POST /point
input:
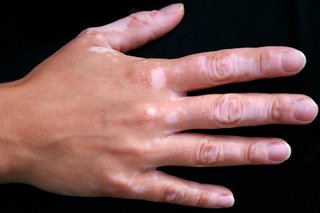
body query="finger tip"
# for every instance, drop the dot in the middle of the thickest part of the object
(289, 151)
(302, 57)
(172, 9)
(293, 61)
(226, 201)
(305, 110)
(279, 152)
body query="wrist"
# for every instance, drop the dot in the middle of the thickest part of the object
(9, 143)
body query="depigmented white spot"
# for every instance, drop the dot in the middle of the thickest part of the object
(183, 111)
(157, 140)
(175, 96)
(172, 117)
(118, 26)
(203, 63)
(93, 185)
(170, 197)
(138, 189)
(102, 50)
(158, 78)
(115, 60)
(177, 70)
(102, 40)
(151, 111)
(100, 37)
(169, 132)
(153, 176)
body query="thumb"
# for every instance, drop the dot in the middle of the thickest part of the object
(140, 28)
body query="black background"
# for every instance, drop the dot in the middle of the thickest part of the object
(29, 34)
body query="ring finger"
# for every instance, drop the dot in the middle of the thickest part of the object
(187, 149)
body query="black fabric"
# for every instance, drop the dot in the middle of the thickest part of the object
(31, 35)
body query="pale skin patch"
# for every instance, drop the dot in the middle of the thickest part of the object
(172, 117)
(169, 132)
(101, 39)
(102, 50)
(118, 26)
(151, 111)
(175, 96)
(203, 63)
(157, 140)
(138, 189)
(177, 70)
(158, 78)
(93, 185)
(115, 60)
(150, 143)
(153, 177)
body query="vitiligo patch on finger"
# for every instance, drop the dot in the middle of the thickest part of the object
(138, 189)
(169, 132)
(151, 111)
(175, 96)
(118, 26)
(203, 63)
(102, 50)
(158, 78)
(172, 117)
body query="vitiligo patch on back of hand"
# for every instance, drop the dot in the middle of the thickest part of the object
(158, 78)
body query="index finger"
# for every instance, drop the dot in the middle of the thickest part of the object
(211, 69)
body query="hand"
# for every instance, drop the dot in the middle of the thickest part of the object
(92, 121)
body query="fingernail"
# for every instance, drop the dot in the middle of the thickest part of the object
(305, 109)
(225, 201)
(173, 8)
(279, 151)
(293, 60)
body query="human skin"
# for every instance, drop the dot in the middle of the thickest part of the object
(92, 121)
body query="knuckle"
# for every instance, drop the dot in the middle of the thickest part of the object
(145, 116)
(202, 200)
(139, 152)
(220, 67)
(92, 37)
(278, 110)
(87, 32)
(145, 17)
(96, 36)
(110, 184)
(263, 62)
(228, 110)
(175, 195)
(251, 153)
(208, 153)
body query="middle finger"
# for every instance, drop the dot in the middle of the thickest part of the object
(236, 110)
